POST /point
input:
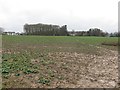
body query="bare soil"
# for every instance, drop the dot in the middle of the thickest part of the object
(71, 70)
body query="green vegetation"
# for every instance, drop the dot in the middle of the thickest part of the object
(31, 55)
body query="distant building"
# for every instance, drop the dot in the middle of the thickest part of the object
(45, 29)
(9, 33)
(77, 33)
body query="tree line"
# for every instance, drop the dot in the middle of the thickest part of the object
(90, 32)
(45, 30)
(94, 32)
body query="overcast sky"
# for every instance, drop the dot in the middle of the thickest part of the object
(76, 14)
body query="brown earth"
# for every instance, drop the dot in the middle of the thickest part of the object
(73, 70)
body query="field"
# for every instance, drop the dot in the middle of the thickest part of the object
(58, 61)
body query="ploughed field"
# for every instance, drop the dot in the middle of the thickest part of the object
(59, 62)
